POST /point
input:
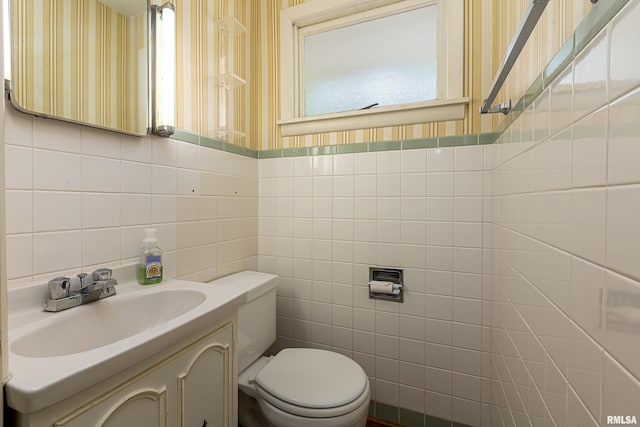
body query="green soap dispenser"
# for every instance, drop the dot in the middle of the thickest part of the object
(149, 267)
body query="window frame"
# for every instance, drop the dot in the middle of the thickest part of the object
(450, 104)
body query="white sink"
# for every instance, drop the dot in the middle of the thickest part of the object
(105, 322)
(55, 355)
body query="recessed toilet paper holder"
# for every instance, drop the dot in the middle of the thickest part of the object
(386, 284)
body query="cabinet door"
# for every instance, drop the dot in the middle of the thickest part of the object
(205, 388)
(145, 408)
(140, 407)
(192, 387)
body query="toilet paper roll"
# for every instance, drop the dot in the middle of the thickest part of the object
(380, 287)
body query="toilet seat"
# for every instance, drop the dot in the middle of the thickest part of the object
(339, 384)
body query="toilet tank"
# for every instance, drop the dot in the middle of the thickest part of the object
(257, 317)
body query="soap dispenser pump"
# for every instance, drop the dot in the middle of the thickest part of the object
(149, 267)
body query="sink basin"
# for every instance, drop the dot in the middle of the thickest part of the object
(53, 356)
(106, 322)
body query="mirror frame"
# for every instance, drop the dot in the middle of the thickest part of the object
(9, 86)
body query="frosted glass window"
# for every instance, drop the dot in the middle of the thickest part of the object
(388, 61)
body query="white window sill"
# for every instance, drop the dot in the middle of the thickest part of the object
(376, 117)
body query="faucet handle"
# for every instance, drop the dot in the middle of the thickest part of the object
(82, 276)
(59, 287)
(101, 274)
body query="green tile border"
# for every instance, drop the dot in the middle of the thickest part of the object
(457, 140)
(410, 418)
(534, 91)
(251, 153)
(216, 144)
(322, 150)
(504, 125)
(295, 152)
(361, 147)
(412, 144)
(269, 154)
(243, 151)
(385, 146)
(358, 147)
(436, 422)
(212, 143)
(386, 412)
(184, 136)
(558, 63)
(488, 138)
(406, 417)
(235, 149)
(518, 107)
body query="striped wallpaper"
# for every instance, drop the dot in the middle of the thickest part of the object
(72, 64)
(491, 25)
(558, 22)
(265, 129)
(204, 54)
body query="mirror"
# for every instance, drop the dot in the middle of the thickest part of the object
(82, 61)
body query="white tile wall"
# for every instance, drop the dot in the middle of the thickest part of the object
(78, 198)
(590, 77)
(622, 140)
(564, 291)
(624, 64)
(325, 220)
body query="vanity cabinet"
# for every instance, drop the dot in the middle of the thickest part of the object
(191, 385)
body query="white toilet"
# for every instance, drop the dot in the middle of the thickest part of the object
(298, 386)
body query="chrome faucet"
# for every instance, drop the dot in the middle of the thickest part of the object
(61, 297)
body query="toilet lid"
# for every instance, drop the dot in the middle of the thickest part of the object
(313, 378)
